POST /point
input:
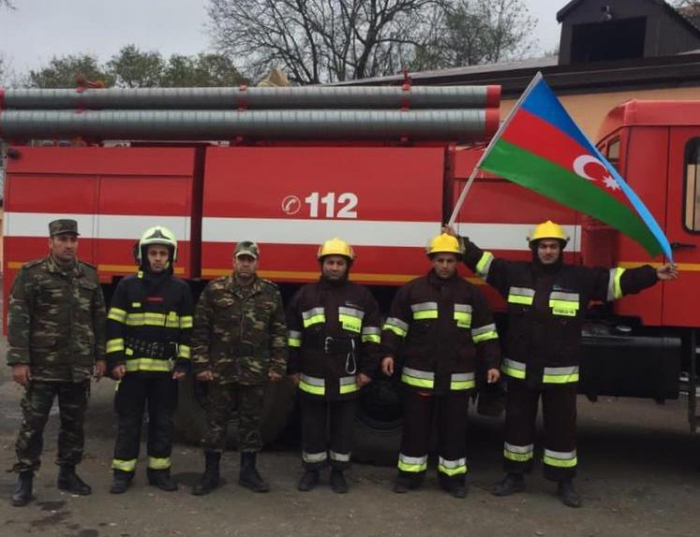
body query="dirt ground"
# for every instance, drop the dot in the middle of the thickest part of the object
(638, 477)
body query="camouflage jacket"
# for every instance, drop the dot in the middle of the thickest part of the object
(240, 333)
(56, 321)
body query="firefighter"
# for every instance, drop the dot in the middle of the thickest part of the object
(334, 335)
(547, 302)
(148, 351)
(441, 331)
(56, 342)
(240, 341)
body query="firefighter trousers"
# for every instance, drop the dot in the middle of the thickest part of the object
(450, 411)
(326, 432)
(559, 416)
(134, 392)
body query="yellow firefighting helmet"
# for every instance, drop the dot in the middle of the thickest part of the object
(157, 235)
(444, 244)
(336, 246)
(548, 230)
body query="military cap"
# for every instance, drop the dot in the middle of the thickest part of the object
(247, 248)
(63, 225)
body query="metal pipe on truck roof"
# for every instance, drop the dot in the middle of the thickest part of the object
(452, 125)
(320, 97)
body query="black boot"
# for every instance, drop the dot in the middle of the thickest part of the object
(69, 481)
(567, 493)
(23, 493)
(161, 479)
(120, 482)
(510, 484)
(308, 481)
(405, 482)
(455, 487)
(338, 483)
(249, 476)
(210, 478)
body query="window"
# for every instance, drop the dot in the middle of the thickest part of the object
(620, 39)
(613, 155)
(692, 185)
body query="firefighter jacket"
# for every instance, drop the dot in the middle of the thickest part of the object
(546, 309)
(56, 320)
(240, 333)
(443, 333)
(149, 324)
(334, 334)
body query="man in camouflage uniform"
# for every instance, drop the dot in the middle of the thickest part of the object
(240, 341)
(56, 342)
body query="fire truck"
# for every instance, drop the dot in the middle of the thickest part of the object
(380, 167)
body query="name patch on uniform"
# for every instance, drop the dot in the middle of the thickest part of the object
(564, 312)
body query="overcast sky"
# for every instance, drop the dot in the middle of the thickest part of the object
(41, 29)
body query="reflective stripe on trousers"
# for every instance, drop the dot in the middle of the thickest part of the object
(518, 453)
(560, 459)
(452, 467)
(314, 457)
(413, 464)
(159, 463)
(124, 466)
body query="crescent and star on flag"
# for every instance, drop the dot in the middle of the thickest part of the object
(588, 161)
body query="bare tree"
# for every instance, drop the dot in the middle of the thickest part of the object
(470, 32)
(678, 4)
(335, 40)
(320, 40)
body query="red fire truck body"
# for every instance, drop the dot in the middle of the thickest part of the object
(387, 200)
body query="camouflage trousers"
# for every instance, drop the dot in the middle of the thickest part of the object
(36, 405)
(222, 400)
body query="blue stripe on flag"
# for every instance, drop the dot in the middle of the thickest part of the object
(544, 103)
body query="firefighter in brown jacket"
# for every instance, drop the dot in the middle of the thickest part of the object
(547, 302)
(442, 332)
(334, 334)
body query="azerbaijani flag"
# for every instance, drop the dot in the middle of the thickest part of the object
(541, 148)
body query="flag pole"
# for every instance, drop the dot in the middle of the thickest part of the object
(494, 139)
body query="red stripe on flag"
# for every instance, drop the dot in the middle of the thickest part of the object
(539, 137)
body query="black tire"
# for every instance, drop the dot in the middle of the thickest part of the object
(378, 424)
(190, 420)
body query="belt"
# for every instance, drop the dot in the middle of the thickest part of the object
(333, 345)
(152, 349)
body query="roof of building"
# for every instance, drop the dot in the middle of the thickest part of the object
(514, 76)
(563, 12)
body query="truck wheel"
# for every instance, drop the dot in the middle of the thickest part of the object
(190, 419)
(378, 424)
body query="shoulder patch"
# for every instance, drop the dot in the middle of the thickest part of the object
(87, 265)
(33, 263)
(269, 282)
